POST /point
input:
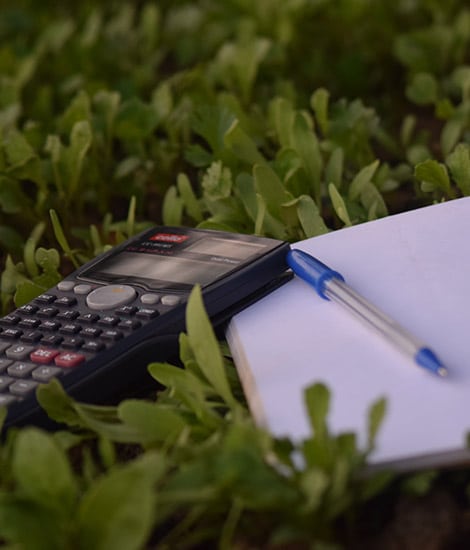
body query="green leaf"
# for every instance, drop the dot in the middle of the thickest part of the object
(29, 525)
(423, 89)
(419, 483)
(245, 186)
(407, 128)
(48, 260)
(189, 198)
(135, 120)
(282, 114)
(376, 417)
(73, 159)
(459, 166)
(317, 399)
(10, 239)
(55, 148)
(205, 347)
(17, 150)
(309, 216)
(334, 168)
(451, 133)
(61, 238)
(12, 198)
(117, 512)
(42, 470)
(57, 403)
(212, 123)
(27, 291)
(305, 142)
(172, 208)
(362, 179)
(79, 110)
(152, 422)
(238, 141)
(319, 102)
(434, 176)
(30, 247)
(314, 483)
(417, 153)
(12, 276)
(339, 205)
(217, 182)
(271, 189)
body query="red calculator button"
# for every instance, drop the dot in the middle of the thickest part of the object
(69, 359)
(43, 356)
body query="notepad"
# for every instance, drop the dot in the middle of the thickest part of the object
(415, 267)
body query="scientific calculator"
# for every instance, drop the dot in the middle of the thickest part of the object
(98, 329)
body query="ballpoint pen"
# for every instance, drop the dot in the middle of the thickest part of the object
(330, 285)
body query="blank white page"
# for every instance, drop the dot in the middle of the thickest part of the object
(415, 267)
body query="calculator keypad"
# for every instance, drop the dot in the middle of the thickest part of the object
(57, 332)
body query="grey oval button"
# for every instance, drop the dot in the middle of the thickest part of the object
(170, 300)
(150, 299)
(82, 289)
(111, 296)
(66, 285)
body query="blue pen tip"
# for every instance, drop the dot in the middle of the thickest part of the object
(426, 358)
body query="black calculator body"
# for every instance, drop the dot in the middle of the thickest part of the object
(100, 327)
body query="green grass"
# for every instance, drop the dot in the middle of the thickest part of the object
(286, 118)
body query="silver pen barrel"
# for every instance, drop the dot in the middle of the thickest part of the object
(338, 291)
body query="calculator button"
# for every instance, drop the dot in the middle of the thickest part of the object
(50, 325)
(88, 318)
(4, 363)
(52, 339)
(9, 320)
(46, 298)
(150, 299)
(82, 289)
(91, 332)
(147, 313)
(45, 373)
(21, 369)
(66, 285)
(11, 333)
(73, 342)
(4, 346)
(70, 328)
(31, 336)
(69, 359)
(43, 356)
(93, 346)
(6, 400)
(111, 334)
(22, 387)
(110, 297)
(109, 321)
(129, 324)
(126, 310)
(170, 300)
(29, 309)
(19, 351)
(29, 322)
(66, 301)
(5, 381)
(68, 315)
(47, 312)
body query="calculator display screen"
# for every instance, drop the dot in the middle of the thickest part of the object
(156, 262)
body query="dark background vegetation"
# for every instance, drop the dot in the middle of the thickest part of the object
(286, 118)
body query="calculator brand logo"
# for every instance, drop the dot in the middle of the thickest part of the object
(169, 237)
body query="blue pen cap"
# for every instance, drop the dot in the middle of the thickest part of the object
(311, 270)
